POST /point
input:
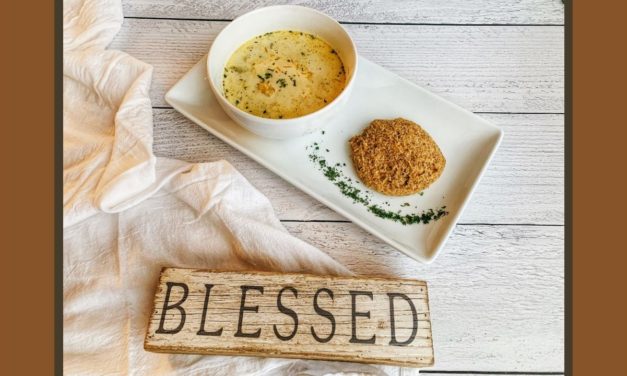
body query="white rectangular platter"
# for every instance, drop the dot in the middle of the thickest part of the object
(466, 140)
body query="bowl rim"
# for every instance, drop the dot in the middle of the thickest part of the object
(270, 121)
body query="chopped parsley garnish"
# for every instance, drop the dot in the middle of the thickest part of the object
(334, 173)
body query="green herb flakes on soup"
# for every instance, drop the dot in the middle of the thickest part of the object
(283, 74)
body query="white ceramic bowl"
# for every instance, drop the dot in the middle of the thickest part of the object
(274, 18)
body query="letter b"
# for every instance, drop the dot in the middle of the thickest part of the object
(177, 306)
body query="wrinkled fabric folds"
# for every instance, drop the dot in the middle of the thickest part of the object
(128, 213)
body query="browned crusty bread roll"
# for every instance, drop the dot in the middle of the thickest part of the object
(396, 157)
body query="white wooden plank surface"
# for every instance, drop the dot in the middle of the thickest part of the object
(481, 68)
(495, 292)
(523, 184)
(386, 11)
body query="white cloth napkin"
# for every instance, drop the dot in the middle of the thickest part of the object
(128, 213)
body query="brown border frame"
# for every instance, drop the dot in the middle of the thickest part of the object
(596, 106)
(594, 244)
(30, 156)
(568, 186)
(58, 187)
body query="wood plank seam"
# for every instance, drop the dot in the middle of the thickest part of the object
(355, 22)
(474, 112)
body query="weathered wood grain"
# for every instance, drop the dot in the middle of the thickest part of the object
(524, 183)
(357, 319)
(481, 68)
(495, 293)
(414, 11)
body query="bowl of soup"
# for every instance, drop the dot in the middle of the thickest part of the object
(282, 71)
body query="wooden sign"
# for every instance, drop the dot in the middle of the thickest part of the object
(369, 320)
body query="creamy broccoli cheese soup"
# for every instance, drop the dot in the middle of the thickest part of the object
(283, 74)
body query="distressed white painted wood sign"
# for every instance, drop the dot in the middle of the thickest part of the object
(370, 320)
